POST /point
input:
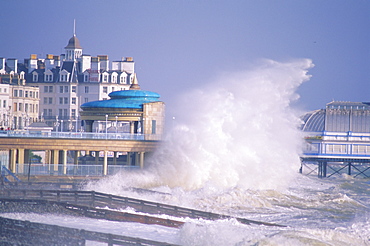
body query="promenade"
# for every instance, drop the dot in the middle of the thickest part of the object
(59, 145)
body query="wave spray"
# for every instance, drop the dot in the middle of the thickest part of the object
(238, 131)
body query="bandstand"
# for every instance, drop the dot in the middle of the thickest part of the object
(130, 127)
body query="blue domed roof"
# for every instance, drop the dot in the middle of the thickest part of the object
(133, 99)
(133, 94)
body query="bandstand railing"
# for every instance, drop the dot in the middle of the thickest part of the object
(80, 135)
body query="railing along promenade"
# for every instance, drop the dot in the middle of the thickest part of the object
(18, 232)
(96, 199)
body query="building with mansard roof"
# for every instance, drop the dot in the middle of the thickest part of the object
(69, 80)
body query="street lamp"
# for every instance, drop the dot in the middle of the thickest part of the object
(56, 124)
(116, 124)
(76, 122)
(106, 125)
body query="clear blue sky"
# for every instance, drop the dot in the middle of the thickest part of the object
(179, 44)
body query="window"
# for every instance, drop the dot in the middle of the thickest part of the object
(105, 89)
(112, 88)
(65, 112)
(64, 77)
(37, 94)
(86, 89)
(105, 78)
(60, 112)
(73, 113)
(45, 112)
(50, 112)
(66, 89)
(15, 93)
(74, 88)
(154, 126)
(50, 88)
(66, 100)
(61, 89)
(86, 78)
(46, 89)
(35, 77)
(26, 93)
(4, 104)
(50, 100)
(20, 93)
(74, 100)
(48, 77)
(45, 100)
(60, 100)
(20, 106)
(31, 94)
(86, 99)
(26, 107)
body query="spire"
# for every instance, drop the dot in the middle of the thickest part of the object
(135, 85)
(74, 27)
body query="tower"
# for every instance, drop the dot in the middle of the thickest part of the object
(73, 49)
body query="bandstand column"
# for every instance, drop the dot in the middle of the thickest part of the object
(77, 154)
(20, 160)
(115, 158)
(141, 161)
(12, 160)
(97, 157)
(105, 164)
(132, 127)
(128, 159)
(64, 162)
(55, 160)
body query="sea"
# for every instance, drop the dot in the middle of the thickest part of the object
(233, 148)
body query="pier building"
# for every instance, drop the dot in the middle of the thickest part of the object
(337, 140)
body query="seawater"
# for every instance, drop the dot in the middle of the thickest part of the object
(234, 149)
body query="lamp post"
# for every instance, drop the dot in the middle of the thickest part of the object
(76, 122)
(56, 124)
(106, 126)
(116, 124)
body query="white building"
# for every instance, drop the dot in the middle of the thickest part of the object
(74, 78)
(19, 103)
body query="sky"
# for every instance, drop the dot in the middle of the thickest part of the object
(178, 45)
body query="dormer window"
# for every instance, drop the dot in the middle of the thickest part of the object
(114, 77)
(105, 77)
(35, 77)
(123, 79)
(64, 76)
